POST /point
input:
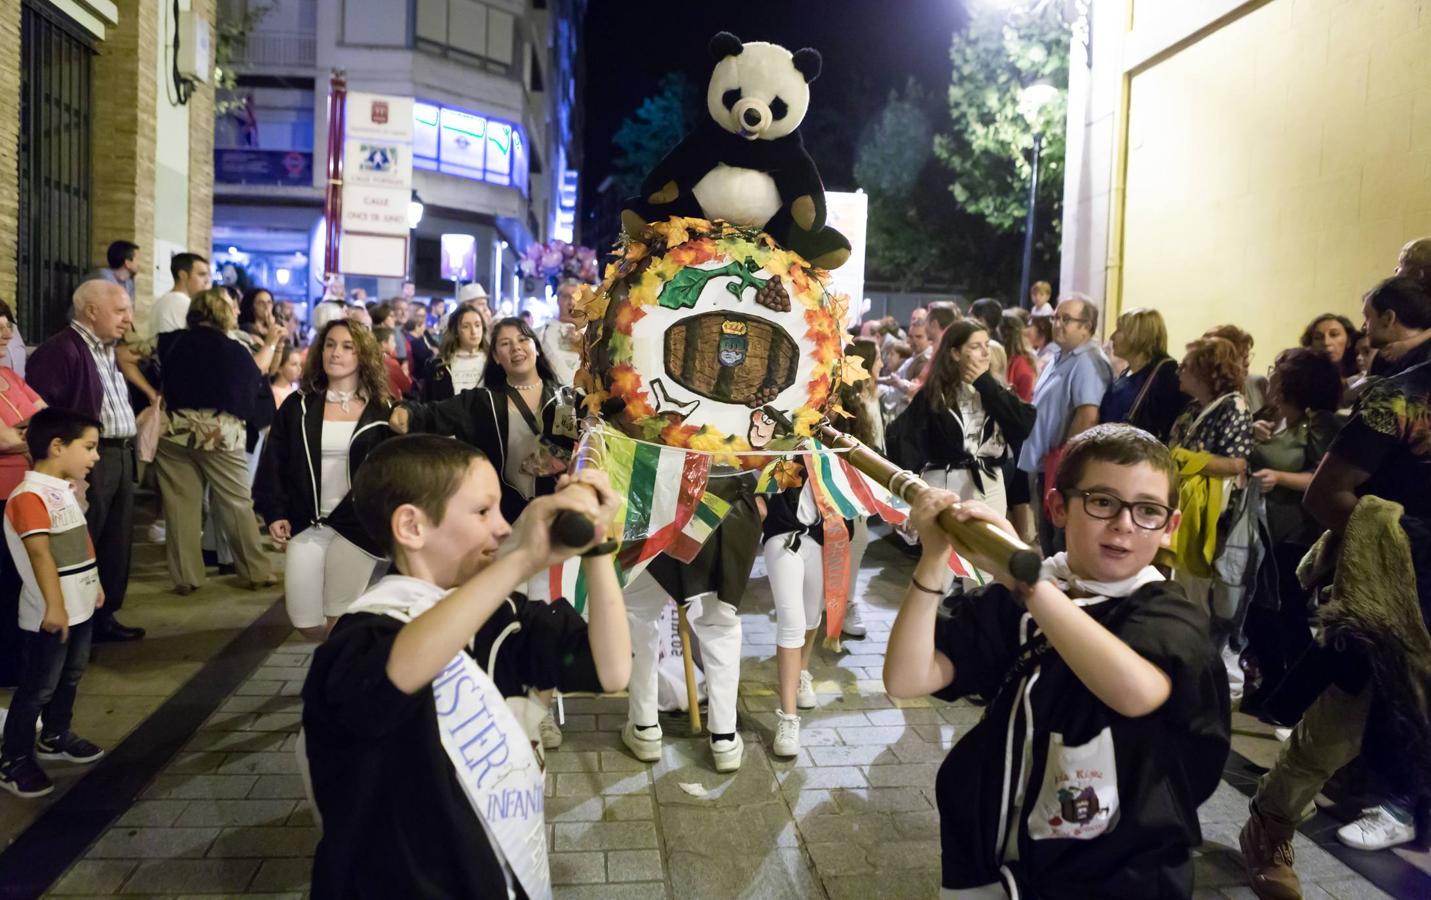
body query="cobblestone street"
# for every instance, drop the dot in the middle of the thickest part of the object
(852, 816)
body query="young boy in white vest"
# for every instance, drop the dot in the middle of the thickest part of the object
(427, 781)
(1107, 706)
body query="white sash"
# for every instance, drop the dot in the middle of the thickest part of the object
(489, 750)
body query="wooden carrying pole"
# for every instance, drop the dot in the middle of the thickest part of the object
(980, 539)
(683, 625)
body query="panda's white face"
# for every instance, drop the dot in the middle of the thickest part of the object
(758, 93)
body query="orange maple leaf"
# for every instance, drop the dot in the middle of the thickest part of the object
(627, 317)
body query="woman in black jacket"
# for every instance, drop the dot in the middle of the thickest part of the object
(322, 433)
(1147, 395)
(957, 428)
(512, 419)
(212, 390)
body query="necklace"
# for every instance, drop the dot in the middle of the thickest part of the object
(528, 387)
(342, 398)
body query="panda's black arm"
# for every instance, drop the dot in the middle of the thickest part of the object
(687, 162)
(797, 177)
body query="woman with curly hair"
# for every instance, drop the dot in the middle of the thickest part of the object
(321, 434)
(460, 360)
(1334, 336)
(212, 389)
(1218, 420)
(1254, 385)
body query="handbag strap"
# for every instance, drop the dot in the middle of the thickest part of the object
(1147, 385)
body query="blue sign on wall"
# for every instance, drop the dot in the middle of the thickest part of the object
(289, 168)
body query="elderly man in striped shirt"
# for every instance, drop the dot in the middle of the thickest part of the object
(77, 369)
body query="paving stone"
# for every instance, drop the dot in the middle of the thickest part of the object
(579, 868)
(737, 831)
(191, 876)
(278, 787)
(903, 716)
(814, 802)
(896, 799)
(253, 687)
(902, 775)
(866, 754)
(94, 876)
(153, 843)
(575, 809)
(918, 751)
(919, 884)
(199, 787)
(881, 736)
(280, 673)
(152, 813)
(260, 764)
(633, 807)
(634, 865)
(582, 784)
(250, 703)
(864, 829)
(917, 823)
(236, 813)
(840, 858)
(605, 835)
(776, 873)
(653, 890)
(904, 856)
(283, 875)
(564, 760)
(621, 761)
(823, 777)
(265, 842)
(239, 741)
(578, 723)
(196, 763)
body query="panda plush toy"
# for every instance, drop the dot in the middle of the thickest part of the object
(746, 163)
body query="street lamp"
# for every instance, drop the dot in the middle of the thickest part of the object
(415, 209)
(1032, 99)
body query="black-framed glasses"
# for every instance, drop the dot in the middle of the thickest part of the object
(1066, 319)
(1146, 514)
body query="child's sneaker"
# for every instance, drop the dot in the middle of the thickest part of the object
(854, 620)
(24, 778)
(787, 734)
(728, 753)
(805, 694)
(550, 731)
(67, 747)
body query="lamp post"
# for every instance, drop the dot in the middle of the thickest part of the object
(1032, 100)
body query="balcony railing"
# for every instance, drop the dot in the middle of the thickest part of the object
(278, 48)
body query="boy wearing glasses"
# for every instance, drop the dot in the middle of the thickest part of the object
(1108, 715)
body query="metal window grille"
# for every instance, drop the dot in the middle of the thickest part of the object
(54, 183)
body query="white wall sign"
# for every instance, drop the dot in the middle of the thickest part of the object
(377, 185)
(848, 213)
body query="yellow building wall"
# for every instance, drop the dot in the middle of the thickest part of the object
(1275, 164)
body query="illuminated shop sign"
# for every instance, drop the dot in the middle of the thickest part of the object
(462, 143)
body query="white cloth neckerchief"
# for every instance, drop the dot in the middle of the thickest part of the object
(342, 398)
(488, 748)
(1055, 569)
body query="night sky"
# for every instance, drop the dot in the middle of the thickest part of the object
(630, 44)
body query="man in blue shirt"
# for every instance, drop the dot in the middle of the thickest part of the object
(1066, 398)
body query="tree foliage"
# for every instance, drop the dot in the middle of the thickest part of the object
(652, 130)
(988, 146)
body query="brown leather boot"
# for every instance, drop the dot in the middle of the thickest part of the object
(1267, 852)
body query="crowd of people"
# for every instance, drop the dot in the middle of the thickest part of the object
(1206, 528)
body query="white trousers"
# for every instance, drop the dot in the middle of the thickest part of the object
(323, 573)
(715, 624)
(960, 482)
(797, 582)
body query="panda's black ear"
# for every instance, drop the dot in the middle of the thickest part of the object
(808, 62)
(725, 44)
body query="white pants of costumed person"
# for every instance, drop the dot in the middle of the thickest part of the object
(960, 482)
(715, 624)
(323, 573)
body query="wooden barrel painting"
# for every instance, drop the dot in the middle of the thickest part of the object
(731, 358)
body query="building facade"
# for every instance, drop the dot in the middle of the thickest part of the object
(105, 134)
(496, 137)
(1247, 161)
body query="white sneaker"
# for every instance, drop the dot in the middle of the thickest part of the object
(157, 532)
(728, 754)
(854, 620)
(551, 731)
(1377, 829)
(644, 745)
(1322, 801)
(787, 734)
(805, 694)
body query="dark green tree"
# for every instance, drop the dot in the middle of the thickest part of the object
(988, 144)
(652, 130)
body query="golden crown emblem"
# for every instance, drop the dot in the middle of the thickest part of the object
(729, 327)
